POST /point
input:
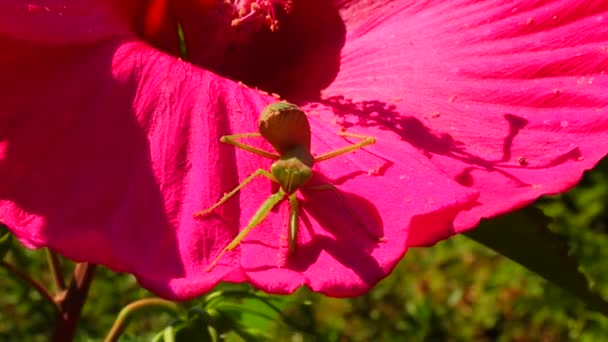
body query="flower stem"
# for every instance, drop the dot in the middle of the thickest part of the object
(71, 304)
(126, 314)
(55, 268)
(36, 285)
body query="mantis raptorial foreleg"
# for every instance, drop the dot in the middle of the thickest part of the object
(232, 140)
(294, 221)
(259, 172)
(367, 140)
(259, 216)
(349, 209)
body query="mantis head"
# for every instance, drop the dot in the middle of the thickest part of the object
(291, 173)
(293, 169)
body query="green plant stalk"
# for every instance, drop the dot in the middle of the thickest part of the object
(36, 285)
(127, 313)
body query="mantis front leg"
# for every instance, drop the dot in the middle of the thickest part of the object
(232, 140)
(255, 220)
(259, 172)
(367, 140)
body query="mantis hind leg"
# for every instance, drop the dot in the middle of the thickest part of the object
(258, 172)
(352, 212)
(366, 140)
(259, 216)
(232, 140)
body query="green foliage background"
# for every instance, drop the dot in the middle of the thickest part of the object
(456, 290)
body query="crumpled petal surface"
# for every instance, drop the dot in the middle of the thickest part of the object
(507, 98)
(108, 146)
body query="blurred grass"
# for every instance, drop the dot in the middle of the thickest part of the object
(455, 291)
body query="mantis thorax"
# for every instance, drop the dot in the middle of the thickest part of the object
(293, 169)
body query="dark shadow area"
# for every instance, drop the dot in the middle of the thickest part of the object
(413, 131)
(301, 58)
(354, 223)
(361, 212)
(72, 170)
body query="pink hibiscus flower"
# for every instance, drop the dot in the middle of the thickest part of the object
(109, 142)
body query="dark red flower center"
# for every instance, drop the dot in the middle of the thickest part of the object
(258, 12)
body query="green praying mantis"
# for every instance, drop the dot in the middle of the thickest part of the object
(286, 127)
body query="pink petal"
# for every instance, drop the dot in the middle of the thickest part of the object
(507, 98)
(62, 21)
(88, 163)
(107, 148)
(109, 167)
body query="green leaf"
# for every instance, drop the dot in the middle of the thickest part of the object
(6, 239)
(256, 314)
(193, 327)
(523, 236)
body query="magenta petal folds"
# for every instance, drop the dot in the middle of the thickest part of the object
(108, 146)
(507, 98)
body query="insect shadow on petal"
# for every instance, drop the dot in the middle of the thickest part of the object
(286, 127)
